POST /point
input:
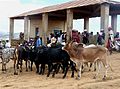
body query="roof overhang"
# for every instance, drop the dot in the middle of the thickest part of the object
(81, 9)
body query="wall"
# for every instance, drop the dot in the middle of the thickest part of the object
(52, 24)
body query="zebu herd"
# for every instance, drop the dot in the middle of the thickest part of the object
(72, 55)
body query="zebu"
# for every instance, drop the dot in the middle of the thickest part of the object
(6, 55)
(79, 55)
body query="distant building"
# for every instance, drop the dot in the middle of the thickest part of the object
(49, 19)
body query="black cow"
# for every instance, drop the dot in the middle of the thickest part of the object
(53, 57)
(23, 53)
(31, 56)
(41, 59)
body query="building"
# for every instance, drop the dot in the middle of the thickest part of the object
(60, 17)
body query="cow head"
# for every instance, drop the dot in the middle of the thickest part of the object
(68, 45)
(73, 45)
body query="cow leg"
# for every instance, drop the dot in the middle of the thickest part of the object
(73, 69)
(37, 67)
(90, 66)
(43, 69)
(26, 65)
(94, 66)
(50, 68)
(18, 63)
(15, 70)
(98, 70)
(106, 69)
(15, 67)
(40, 69)
(55, 69)
(3, 65)
(58, 68)
(31, 65)
(66, 70)
(21, 66)
(105, 74)
(79, 70)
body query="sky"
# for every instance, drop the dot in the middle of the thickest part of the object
(10, 8)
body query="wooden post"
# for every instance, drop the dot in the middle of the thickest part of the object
(26, 30)
(105, 19)
(69, 24)
(11, 29)
(86, 24)
(114, 23)
(44, 27)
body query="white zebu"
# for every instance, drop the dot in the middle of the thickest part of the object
(6, 55)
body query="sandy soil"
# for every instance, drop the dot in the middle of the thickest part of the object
(30, 80)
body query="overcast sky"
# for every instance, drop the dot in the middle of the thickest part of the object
(10, 8)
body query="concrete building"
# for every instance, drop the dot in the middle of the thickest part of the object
(60, 17)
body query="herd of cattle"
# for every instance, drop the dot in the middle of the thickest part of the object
(72, 55)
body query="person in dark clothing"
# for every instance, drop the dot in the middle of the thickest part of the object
(85, 36)
(99, 39)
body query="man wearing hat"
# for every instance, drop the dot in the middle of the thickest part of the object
(111, 33)
(85, 36)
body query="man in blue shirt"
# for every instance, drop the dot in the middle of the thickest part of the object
(38, 42)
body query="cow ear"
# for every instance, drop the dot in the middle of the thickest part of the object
(71, 42)
(80, 45)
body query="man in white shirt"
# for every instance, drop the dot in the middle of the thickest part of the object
(111, 34)
(7, 45)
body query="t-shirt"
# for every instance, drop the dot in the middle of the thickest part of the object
(38, 42)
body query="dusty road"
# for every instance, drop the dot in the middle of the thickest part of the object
(30, 80)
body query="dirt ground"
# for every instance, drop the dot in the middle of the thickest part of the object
(31, 80)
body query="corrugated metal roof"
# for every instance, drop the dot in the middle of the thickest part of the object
(71, 4)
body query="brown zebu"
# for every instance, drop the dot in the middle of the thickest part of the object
(79, 55)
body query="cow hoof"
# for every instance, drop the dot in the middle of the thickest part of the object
(94, 77)
(104, 78)
(53, 76)
(3, 70)
(89, 69)
(26, 70)
(15, 73)
(37, 72)
(20, 70)
(40, 73)
(72, 76)
(47, 75)
(63, 77)
(17, 67)
(94, 69)
(77, 78)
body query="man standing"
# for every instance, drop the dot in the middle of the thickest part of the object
(38, 42)
(85, 37)
(7, 45)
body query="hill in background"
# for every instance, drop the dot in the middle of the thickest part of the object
(5, 36)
